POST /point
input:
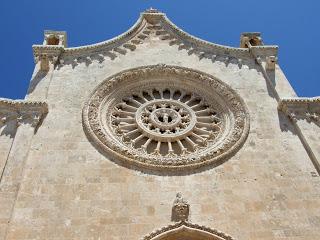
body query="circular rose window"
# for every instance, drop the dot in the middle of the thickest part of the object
(166, 117)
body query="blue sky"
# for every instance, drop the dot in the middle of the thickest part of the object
(293, 25)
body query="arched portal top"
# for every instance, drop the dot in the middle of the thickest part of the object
(187, 231)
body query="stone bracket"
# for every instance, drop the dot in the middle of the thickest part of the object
(46, 55)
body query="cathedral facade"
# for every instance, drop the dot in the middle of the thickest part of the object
(156, 134)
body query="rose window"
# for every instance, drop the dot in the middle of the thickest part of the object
(165, 121)
(166, 117)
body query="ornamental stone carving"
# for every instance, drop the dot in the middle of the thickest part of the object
(180, 209)
(301, 108)
(187, 230)
(166, 117)
(22, 112)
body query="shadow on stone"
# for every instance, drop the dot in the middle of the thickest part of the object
(35, 81)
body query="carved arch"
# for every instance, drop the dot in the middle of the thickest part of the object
(187, 231)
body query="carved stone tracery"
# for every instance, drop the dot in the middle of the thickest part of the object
(166, 117)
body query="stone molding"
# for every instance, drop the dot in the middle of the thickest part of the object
(187, 226)
(301, 108)
(150, 23)
(23, 112)
(96, 118)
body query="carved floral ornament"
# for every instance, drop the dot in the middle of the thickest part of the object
(166, 117)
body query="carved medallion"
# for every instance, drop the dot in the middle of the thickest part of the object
(166, 117)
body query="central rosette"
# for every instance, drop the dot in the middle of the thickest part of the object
(165, 120)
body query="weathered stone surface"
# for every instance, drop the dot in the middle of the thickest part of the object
(69, 189)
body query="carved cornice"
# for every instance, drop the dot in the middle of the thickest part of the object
(23, 112)
(301, 108)
(187, 227)
(151, 22)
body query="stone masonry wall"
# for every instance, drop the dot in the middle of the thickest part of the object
(71, 191)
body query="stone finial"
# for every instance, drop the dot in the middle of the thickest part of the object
(55, 38)
(180, 209)
(254, 38)
(152, 15)
(152, 10)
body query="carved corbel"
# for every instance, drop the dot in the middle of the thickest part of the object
(288, 112)
(31, 118)
(46, 61)
(3, 119)
(271, 62)
(259, 60)
(7, 117)
(313, 116)
(292, 116)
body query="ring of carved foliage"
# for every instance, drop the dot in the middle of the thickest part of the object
(168, 117)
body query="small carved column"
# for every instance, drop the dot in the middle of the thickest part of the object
(28, 116)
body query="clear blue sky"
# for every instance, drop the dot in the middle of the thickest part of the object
(293, 25)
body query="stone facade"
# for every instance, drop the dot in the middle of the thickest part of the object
(110, 137)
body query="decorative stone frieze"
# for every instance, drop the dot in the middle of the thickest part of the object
(180, 209)
(166, 117)
(23, 112)
(187, 230)
(301, 108)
